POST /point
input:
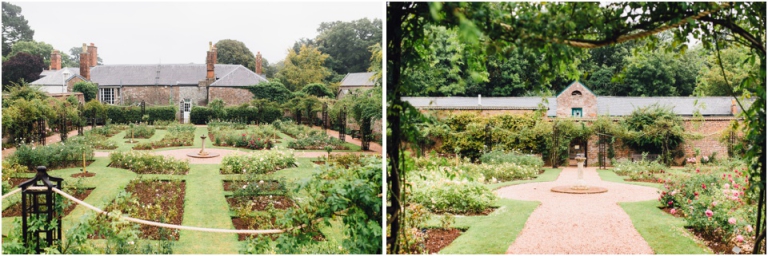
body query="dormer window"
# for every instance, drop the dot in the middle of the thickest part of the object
(576, 93)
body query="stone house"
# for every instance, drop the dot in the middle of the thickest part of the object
(355, 81)
(577, 102)
(162, 84)
(57, 79)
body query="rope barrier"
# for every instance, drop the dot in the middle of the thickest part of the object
(11, 193)
(625, 38)
(162, 225)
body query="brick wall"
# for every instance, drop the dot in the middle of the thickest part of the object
(152, 95)
(71, 83)
(586, 101)
(231, 95)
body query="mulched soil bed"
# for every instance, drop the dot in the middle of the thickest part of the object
(261, 202)
(717, 246)
(486, 212)
(83, 174)
(240, 224)
(15, 210)
(235, 185)
(645, 180)
(677, 214)
(319, 162)
(148, 192)
(438, 238)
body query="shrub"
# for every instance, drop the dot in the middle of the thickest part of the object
(258, 162)
(200, 115)
(319, 90)
(140, 131)
(642, 170)
(497, 156)
(95, 140)
(259, 137)
(52, 156)
(499, 172)
(453, 196)
(88, 89)
(145, 163)
(316, 140)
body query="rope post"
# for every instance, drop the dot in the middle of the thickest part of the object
(40, 205)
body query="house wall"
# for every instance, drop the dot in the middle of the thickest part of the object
(231, 95)
(197, 94)
(152, 95)
(587, 101)
(71, 83)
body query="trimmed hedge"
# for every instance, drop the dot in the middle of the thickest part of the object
(203, 115)
(132, 114)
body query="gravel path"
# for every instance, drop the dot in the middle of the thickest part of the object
(579, 224)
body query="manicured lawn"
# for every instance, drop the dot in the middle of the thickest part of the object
(663, 232)
(609, 175)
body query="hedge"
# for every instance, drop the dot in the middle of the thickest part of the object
(132, 114)
(203, 115)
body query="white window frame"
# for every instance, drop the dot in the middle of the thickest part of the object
(108, 98)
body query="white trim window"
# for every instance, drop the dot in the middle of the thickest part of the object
(109, 95)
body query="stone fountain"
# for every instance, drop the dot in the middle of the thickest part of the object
(202, 153)
(581, 186)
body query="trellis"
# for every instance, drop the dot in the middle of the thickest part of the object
(63, 126)
(488, 137)
(81, 121)
(602, 146)
(39, 202)
(40, 127)
(365, 134)
(343, 124)
(325, 116)
(143, 109)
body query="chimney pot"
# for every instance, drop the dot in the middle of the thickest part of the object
(258, 63)
(734, 107)
(479, 100)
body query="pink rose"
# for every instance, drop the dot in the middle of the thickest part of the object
(748, 228)
(673, 211)
(709, 213)
(727, 186)
(739, 238)
(732, 220)
(714, 203)
(704, 186)
(670, 202)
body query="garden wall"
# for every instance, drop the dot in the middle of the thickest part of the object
(711, 129)
(232, 96)
(442, 113)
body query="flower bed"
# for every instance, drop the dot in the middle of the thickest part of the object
(493, 173)
(108, 130)
(439, 193)
(145, 163)
(495, 157)
(142, 131)
(316, 140)
(715, 205)
(258, 162)
(53, 156)
(160, 201)
(643, 170)
(177, 136)
(97, 141)
(259, 137)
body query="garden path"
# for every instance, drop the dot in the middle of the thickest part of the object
(48, 140)
(375, 147)
(579, 224)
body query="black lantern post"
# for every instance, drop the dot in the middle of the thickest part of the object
(38, 203)
(365, 134)
(143, 109)
(63, 126)
(41, 131)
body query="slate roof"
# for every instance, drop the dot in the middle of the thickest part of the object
(55, 77)
(170, 74)
(606, 105)
(358, 79)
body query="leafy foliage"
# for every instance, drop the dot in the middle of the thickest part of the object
(22, 67)
(272, 90)
(235, 52)
(303, 67)
(258, 162)
(318, 89)
(146, 163)
(15, 27)
(89, 90)
(346, 43)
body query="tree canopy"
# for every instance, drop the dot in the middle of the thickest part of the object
(347, 43)
(22, 67)
(235, 52)
(15, 27)
(304, 67)
(318, 89)
(272, 90)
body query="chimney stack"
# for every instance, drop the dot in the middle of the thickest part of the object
(94, 57)
(55, 60)
(85, 67)
(258, 63)
(209, 62)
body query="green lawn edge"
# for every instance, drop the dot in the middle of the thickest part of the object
(663, 232)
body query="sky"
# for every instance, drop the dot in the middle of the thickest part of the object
(179, 32)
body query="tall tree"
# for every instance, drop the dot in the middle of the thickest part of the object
(22, 67)
(303, 68)
(347, 43)
(15, 27)
(235, 52)
(41, 49)
(712, 82)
